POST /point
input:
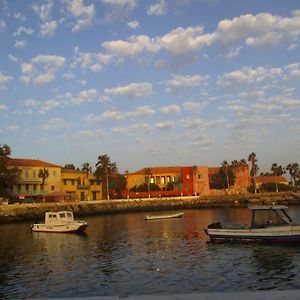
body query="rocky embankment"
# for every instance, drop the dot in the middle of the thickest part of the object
(23, 212)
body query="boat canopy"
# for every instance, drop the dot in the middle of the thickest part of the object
(267, 207)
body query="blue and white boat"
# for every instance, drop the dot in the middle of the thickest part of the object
(269, 223)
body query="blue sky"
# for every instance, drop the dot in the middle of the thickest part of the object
(150, 83)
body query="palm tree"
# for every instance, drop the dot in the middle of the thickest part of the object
(277, 171)
(294, 172)
(87, 169)
(252, 159)
(243, 164)
(225, 169)
(43, 174)
(104, 168)
(148, 173)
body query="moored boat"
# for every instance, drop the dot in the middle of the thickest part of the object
(167, 216)
(60, 222)
(269, 223)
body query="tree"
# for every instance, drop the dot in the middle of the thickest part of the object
(254, 168)
(224, 169)
(104, 168)
(277, 171)
(148, 174)
(294, 172)
(8, 176)
(118, 184)
(43, 174)
(69, 166)
(87, 169)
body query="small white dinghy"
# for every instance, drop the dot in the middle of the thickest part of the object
(60, 222)
(168, 216)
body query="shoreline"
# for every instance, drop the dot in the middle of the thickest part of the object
(24, 212)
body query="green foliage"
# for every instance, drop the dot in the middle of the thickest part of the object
(224, 178)
(8, 176)
(43, 174)
(69, 166)
(271, 187)
(118, 183)
(144, 188)
(104, 169)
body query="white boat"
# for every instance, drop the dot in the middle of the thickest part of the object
(60, 222)
(270, 223)
(168, 216)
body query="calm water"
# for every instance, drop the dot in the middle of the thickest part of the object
(125, 255)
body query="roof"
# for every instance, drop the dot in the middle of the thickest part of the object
(267, 207)
(158, 170)
(271, 179)
(23, 162)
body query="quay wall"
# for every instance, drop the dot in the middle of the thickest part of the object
(35, 211)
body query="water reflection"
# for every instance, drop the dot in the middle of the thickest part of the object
(124, 255)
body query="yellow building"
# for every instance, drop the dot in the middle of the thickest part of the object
(86, 187)
(30, 187)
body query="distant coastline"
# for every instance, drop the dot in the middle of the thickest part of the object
(25, 212)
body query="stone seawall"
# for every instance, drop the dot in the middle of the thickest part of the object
(35, 211)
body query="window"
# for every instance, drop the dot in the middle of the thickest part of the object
(163, 179)
(72, 181)
(199, 176)
(98, 182)
(26, 173)
(168, 179)
(69, 214)
(62, 215)
(152, 180)
(65, 181)
(34, 173)
(34, 187)
(54, 173)
(52, 187)
(157, 179)
(92, 182)
(27, 187)
(187, 176)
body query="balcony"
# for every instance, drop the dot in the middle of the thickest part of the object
(83, 186)
(27, 193)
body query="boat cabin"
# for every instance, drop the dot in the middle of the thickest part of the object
(59, 217)
(263, 215)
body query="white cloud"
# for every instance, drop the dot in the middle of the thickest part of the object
(14, 127)
(158, 9)
(133, 24)
(133, 90)
(134, 46)
(20, 44)
(41, 69)
(55, 123)
(91, 61)
(85, 96)
(182, 41)
(194, 106)
(21, 30)
(4, 79)
(85, 134)
(118, 9)
(48, 26)
(13, 58)
(3, 107)
(170, 109)
(2, 25)
(84, 14)
(113, 115)
(49, 105)
(181, 83)
(164, 125)
(20, 17)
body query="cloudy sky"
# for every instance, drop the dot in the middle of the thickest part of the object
(151, 83)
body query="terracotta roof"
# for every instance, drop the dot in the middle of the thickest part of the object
(270, 179)
(158, 170)
(22, 162)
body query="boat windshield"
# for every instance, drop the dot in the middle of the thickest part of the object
(270, 217)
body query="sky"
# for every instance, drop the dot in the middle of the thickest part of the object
(151, 83)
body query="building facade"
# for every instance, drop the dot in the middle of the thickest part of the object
(86, 186)
(30, 187)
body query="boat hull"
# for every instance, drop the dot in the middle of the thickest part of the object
(282, 234)
(159, 217)
(57, 228)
